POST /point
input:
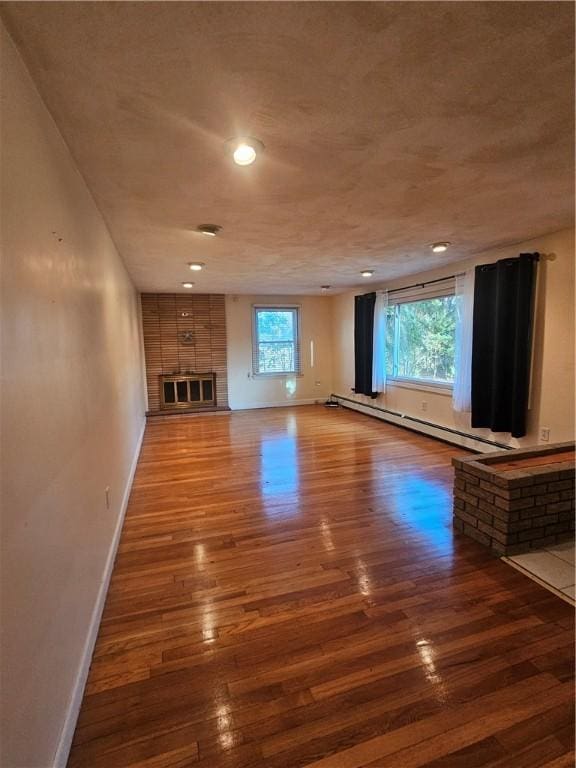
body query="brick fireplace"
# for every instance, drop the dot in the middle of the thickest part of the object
(185, 349)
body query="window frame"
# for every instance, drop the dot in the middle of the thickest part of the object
(296, 310)
(412, 382)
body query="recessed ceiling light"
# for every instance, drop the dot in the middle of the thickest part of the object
(209, 229)
(187, 285)
(244, 154)
(440, 247)
(244, 149)
(367, 272)
(196, 266)
(325, 288)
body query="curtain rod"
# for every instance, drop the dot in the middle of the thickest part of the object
(427, 282)
(535, 256)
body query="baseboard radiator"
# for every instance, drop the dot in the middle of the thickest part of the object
(447, 434)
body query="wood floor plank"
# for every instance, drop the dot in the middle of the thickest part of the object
(289, 593)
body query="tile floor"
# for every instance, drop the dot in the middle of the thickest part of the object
(553, 567)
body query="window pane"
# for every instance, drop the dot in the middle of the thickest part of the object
(275, 357)
(276, 340)
(426, 334)
(275, 324)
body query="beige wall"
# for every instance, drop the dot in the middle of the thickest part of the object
(71, 416)
(552, 395)
(245, 391)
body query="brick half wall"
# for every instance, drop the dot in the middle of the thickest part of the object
(516, 510)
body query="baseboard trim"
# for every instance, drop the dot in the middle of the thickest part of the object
(282, 404)
(446, 434)
(63, 750)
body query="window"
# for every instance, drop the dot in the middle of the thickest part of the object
(276, 341)
(420, 339)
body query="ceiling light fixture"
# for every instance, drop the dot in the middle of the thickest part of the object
(325, 288)
(211, 230)
(196, 266)
(187, 285)
(440, 247)
(244, 149)
(367, 272)
(244, 154)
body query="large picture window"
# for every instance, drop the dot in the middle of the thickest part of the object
(276, 344)
(420, 340)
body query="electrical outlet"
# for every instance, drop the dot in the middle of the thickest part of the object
(107, 495)
(544, 435)
(317, 383)
(424, 405)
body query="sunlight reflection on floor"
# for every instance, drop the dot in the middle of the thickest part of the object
(279, 468)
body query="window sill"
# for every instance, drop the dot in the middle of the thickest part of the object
(421, 386)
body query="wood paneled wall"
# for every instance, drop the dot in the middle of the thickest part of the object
(165, 316)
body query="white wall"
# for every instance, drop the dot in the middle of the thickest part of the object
(72, 406)
(552, 394)
(246, 391)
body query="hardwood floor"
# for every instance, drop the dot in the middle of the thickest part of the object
(289, 592)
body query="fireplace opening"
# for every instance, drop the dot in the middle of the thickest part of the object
(188, 390)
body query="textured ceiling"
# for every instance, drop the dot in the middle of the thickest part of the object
(387, 126)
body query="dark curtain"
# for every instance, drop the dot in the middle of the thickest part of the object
(363, 343)
(502, 343)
